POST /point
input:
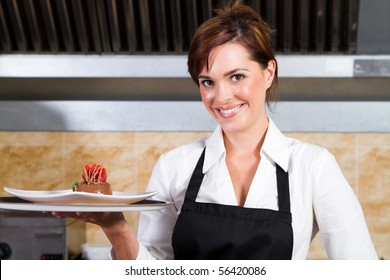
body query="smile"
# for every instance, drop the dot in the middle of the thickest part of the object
(230, 111)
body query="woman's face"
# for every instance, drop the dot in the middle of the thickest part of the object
(234, 87)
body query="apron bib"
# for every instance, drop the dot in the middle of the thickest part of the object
(215, 231)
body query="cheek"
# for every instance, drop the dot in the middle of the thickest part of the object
(245, 91)
(207, 96)
(257, 88)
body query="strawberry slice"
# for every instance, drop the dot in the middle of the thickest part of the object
(103, 176)
(94, 173)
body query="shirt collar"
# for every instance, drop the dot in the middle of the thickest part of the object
(215, 149)
(275, 147)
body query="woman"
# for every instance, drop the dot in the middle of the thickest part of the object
(246, 191)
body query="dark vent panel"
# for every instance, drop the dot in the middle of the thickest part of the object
(165, 26)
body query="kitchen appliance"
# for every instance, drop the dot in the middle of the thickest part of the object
(32, 236)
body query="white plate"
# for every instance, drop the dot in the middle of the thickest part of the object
(14, 203)
(68, 197)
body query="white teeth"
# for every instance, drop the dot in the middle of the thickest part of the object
(232, 110)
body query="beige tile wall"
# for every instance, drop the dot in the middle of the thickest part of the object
(51, 160)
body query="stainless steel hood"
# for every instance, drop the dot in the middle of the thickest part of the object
(150, 38)
(166, 26)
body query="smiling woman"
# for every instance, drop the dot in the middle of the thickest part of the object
(246, 191)
(238, 26)
(234, 85)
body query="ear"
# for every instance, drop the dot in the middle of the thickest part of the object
(270, 72)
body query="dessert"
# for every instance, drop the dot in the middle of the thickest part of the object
(93, 180)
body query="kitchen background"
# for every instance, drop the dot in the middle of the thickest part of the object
(105, 82)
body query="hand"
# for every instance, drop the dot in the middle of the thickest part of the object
(102, 219)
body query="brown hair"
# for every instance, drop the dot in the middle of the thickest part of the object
(233, 23)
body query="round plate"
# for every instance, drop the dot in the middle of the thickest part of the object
(14, 203)
(70, 197)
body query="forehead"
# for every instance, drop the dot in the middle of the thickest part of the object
(227, 57)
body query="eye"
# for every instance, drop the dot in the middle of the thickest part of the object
(237, 77)
(207, 83)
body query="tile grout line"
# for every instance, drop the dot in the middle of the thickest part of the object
(357, 169)
(63, 158)
(135, 219)
(135, 158)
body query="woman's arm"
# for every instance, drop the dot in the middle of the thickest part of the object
(338, 213)
(123, 240)
(155, 227)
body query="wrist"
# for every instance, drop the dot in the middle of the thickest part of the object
(117, 227)
(123, 241)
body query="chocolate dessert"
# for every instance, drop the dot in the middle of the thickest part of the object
(93, 180)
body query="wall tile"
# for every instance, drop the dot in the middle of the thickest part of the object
(95, 235)
(146, 159)
(99, 139)
(326, 140)
(374, 194)
(10, 164)
(31, 167)
(52, 160)
(118, 161)
(149, 147)
(374, 139)
(167, 139)
(31, 138)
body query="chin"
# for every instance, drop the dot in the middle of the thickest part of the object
(231, 127)
(239, 125)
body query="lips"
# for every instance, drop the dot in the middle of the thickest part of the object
(229, 112)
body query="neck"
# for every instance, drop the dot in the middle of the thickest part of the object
(246, 142)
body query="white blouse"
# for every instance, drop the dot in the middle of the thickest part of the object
(321, 198)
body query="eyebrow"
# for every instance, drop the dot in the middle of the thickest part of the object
(226, 74)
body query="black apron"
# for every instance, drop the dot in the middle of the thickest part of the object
(214, 231)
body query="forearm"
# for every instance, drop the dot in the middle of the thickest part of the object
(123, 240)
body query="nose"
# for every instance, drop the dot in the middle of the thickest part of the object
(223, 93)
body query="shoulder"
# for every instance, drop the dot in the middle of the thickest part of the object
(285, 149)
(299, 148)
(309, 156)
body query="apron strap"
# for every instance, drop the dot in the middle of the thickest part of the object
(196, 179)
(283, 189)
